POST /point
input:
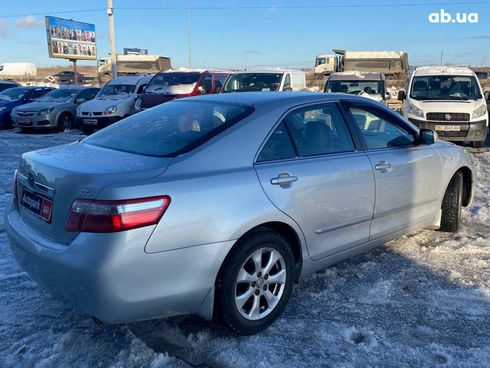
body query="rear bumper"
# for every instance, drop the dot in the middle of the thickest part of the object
(470, 131)
(111, 277)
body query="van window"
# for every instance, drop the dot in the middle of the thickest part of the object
(248, 82)
(445, 87)
(287, 81)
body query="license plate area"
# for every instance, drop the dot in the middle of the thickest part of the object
(90, 121)
(36, 204)
(448, 128)
(24, 121)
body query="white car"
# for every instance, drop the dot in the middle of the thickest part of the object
(448, 100)
(114, 102)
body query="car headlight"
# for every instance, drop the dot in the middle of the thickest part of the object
(45, 111)
(479, 112)
(110, 110)
(414, 110)
(137, 104)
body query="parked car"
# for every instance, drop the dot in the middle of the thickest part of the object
(56, 109)
(216, 205)
(366, 84)
(266, 81)
(8, 84)
(449, 100)
(114, 102)
(65, 77)
(172, 84)
(16, 96)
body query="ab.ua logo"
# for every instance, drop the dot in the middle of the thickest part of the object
(443, 17)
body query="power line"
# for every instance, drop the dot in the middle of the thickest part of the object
(258, 7)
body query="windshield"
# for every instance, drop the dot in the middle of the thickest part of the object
(247, 82)
(169, 129)
(173, 83)
(445, 87)
(116, 90)
(59, 95)
(12, 94)
(355, 87)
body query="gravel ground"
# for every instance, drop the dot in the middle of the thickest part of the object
(421, 300)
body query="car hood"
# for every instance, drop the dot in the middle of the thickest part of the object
(101, 104)
(464, 106)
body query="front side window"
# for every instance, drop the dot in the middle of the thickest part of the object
(445, 87)
(321, 61)
(170, 129)
(379, 132)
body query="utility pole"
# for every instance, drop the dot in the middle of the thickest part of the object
(110, 13)
(442, 53)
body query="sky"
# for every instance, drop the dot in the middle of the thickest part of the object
(259, 33)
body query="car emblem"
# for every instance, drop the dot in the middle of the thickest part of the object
(447, 116)
(31, 178)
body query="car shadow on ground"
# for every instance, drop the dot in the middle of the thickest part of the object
(384, 307)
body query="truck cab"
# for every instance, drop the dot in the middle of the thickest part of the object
(449, 100)
(326, 64)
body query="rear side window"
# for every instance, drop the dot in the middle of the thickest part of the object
(171, 128)
(319, 130)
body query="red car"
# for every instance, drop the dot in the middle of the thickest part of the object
(170, 85)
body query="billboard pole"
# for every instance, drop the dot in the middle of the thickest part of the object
(75, 76)
(110, 13)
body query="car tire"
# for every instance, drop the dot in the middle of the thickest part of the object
(451, 205)
(249, 296)
(477, 144)
(65, 121)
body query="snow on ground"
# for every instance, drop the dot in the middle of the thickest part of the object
(421, 300)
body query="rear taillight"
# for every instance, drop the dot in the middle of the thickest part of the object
(15, 190)
(101, 216)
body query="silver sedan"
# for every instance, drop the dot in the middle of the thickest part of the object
(217, 205)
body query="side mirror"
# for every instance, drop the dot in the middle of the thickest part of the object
(80, 100)
(288, 89)
(201, 90)
(427, 136)
(402, 95)
(487, 95)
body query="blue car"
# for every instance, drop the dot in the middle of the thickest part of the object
(16, 96)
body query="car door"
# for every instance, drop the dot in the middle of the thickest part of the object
(311, 170)
(408, 176)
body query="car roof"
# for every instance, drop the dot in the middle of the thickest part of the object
(443, 69)
(258, 98)
(130, 79)
(354, 75)
(268, 71)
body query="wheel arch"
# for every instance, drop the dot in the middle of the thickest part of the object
(467, 184)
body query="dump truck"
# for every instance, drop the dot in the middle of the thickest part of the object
(131, 64)
(393, 64)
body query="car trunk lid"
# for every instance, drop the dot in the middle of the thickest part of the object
(54, 177)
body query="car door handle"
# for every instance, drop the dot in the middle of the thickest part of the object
(284, 179)
(383, 166)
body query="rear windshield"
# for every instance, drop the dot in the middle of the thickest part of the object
(173, 83)
(247, 82)
(170, 129)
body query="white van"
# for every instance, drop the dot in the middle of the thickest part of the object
(114, 102)
(266, 81)
(449, 100)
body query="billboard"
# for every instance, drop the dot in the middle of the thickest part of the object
(69, 39)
